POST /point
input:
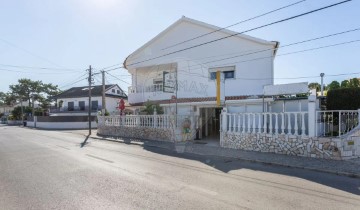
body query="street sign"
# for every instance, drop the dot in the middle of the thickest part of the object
(169, 82)
(121, 104)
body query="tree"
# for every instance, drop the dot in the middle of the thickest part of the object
(354, 83)
(345, 84)
(333, 85)
(34, 90)
(314, 85)
(149, 108)
(2, 98)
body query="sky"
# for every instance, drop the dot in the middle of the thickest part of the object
(65, 37)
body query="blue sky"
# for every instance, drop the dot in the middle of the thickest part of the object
(72, 34)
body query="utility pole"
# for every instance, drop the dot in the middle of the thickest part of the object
(322, 84)
(89, 113)
(103, 109)
(22, 111)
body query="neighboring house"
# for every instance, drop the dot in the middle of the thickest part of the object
(245, 63)
(75, 101)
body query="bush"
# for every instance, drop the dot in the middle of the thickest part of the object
(343, 99)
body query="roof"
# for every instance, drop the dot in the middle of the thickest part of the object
(199, 99)
(77, 92)
(203, 24)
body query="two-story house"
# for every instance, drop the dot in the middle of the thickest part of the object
(75, 101)
(188, 54)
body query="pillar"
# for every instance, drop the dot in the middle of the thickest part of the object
(312, 115)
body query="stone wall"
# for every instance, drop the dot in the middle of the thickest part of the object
(327, 148)
(159, 134)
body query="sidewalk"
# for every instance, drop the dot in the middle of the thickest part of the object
(349, 168)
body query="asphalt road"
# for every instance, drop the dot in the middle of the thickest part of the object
(49, 170)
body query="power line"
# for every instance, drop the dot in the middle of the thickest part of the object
(294, 52)
(290, 53)
(17, 71)
(287, 45)
(118, 78)
(235, 34)
(75, 80)
(73, 83)
(44, 68)
(30, 53)
(237, 23)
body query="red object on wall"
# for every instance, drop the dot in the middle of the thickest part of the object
(121, 104)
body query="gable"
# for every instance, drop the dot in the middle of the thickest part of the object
(185, 29)
(115, 90)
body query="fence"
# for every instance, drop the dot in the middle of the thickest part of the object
(154, 121)
(336, 122)
(275, 123)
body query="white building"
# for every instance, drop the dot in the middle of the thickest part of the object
(75, 101)
(245, 63)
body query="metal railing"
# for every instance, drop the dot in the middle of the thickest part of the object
(294, 123)
(74, 109)
(149, 88)
(336, 122)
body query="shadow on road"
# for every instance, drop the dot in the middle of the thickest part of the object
(85, 141)
(226, 165)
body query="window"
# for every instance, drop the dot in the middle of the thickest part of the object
(229, 74)
(82, 105)
(94, 105)
(157, 81)
(70, 106)
(113, 90)
(213, 75)
(118, 91)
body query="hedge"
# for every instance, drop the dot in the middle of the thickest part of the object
(343, 99)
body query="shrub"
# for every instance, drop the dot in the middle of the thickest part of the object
(343, 99)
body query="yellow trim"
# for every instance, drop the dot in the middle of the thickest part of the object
(218, 88)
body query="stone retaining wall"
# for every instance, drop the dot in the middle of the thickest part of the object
(159, 134)
(327, 148)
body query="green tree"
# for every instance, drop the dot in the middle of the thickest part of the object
(333, 85)
(345, 84)
(314, 85)
(354, 83)
(150, 106)
(2, 98)
(32, 91)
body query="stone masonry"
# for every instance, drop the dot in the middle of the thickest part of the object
(315, 147)
(160, 134)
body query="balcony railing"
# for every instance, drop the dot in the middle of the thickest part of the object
(292, 123)
(336, 122)
(146, 89)
(75, 109)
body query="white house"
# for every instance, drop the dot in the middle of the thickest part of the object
(75, 101)
(245, 63)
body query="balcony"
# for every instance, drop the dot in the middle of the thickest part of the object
(146, 89)
(139, 94)
(75, 109)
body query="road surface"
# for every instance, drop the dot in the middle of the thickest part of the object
(49, 170)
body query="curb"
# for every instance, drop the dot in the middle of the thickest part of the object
(141, 143)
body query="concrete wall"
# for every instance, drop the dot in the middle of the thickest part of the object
(61, 122)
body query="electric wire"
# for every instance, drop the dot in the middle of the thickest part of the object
(42, 68)
(237, 23)
(287, 45)
(235, 34)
